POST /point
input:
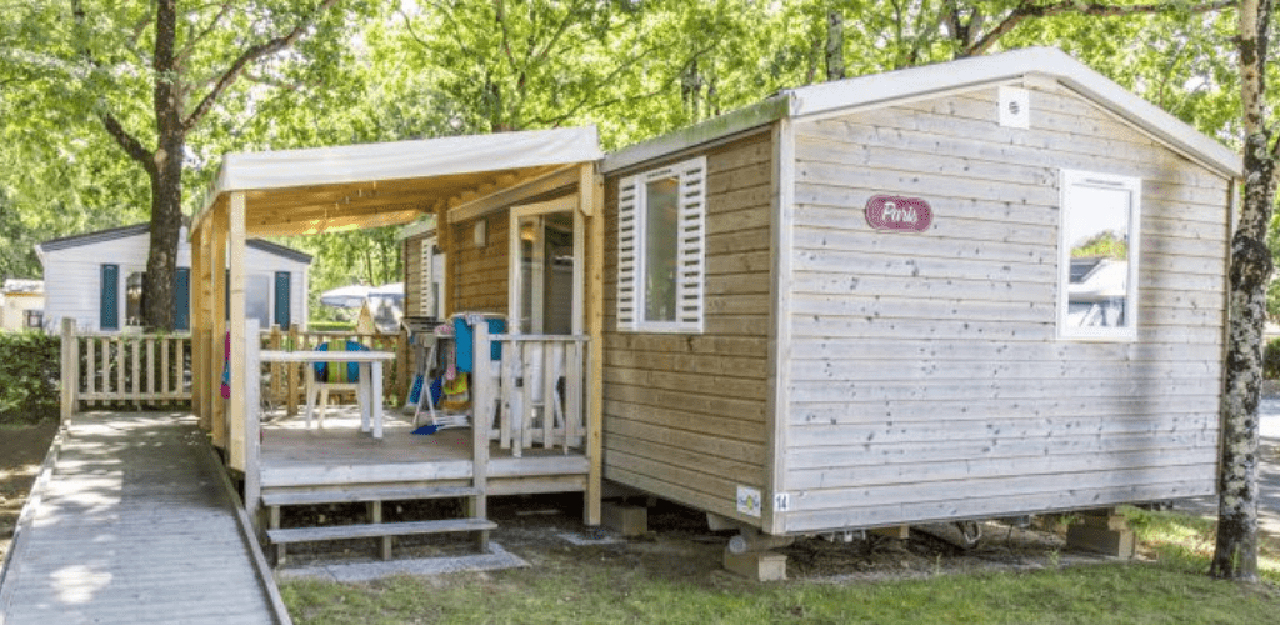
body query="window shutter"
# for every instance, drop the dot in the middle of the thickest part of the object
(182, 298)
(628, 252)
(109, 298)
(691, 230)
(284, 288)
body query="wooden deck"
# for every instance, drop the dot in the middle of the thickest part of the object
(134, 523)
(339, 454)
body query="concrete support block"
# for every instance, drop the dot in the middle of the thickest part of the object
(762, 566)
(625, 520)
(1108, 534)
(900, 532)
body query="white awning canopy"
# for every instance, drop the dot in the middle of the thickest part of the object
(306, 191)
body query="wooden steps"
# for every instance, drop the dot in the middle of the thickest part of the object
(314, 497)
(375, 530)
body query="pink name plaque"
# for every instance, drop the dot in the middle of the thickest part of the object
(891, 212)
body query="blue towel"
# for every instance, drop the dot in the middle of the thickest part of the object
(464, 339)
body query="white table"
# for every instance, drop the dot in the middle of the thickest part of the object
(369, 393)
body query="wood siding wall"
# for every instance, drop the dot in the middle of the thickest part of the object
(413, 276)
(684, 414)
(479, 279)
(927, 381)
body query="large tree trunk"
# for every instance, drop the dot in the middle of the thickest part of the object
(1236, 552)
(166, 176)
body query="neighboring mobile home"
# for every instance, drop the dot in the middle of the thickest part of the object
(985, 288)
(96, 278)
(22, 305)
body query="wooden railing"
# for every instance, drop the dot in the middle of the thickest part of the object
(286, 386)
(533, 395)
(119, 370)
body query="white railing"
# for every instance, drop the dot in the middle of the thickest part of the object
(533, 394)
(100, 369)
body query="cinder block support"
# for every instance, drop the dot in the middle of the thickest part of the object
(1105, 532)
(625, 520)
(762, 566)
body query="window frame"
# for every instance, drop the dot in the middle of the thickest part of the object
(1070, 181)
(691, 177)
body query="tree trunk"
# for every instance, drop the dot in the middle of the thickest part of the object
(1236, 551)
(166, 224)
(835, 46)
(166, 176)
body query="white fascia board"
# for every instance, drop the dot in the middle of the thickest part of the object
(914, 82)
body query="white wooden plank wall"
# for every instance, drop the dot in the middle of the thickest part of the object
(927, 381)
(684, 413)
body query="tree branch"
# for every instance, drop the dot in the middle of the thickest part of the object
(180, 59)
(1029, 10)
(248, 56)
(128, 142)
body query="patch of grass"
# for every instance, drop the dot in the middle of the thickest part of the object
(1185, 542)
(612, 592)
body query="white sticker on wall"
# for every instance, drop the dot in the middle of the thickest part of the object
(1015, 107)
(781, 502)
(749, 501)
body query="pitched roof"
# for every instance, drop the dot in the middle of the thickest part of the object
(887, 88)
(122, 232)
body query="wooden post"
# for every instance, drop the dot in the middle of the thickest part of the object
(291, 384)
(482, 401)
(240, 374)
(277, 369)
(401, 388)
(250, 402)
(218, 327)
(70, 367)
(592, 189)
(196, 323)
(444, 238)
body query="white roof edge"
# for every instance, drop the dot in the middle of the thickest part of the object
(394, 160)
(889, 86)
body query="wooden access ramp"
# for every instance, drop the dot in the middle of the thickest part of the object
(133, 521)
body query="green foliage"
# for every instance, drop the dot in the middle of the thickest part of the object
(330, 326)
(1107, 244)
(29, 372)
(1271, 360)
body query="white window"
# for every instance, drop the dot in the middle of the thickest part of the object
(661, 228)
(1098, 256)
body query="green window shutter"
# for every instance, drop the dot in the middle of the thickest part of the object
(283, 286)
(109, 298)
(182, 299)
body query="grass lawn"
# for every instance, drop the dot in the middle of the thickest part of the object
(602, 585)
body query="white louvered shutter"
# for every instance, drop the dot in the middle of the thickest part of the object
(690, 248)
(628, 252)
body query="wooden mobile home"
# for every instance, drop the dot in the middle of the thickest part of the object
(985, 288)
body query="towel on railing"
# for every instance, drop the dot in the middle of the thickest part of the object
(465, 340)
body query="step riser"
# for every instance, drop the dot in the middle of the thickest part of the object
(377, 530)
(358, 496)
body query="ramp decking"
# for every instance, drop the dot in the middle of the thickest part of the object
(134, 523)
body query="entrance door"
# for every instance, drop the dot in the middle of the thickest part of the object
(546, 268)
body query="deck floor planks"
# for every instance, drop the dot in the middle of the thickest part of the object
(134, 527)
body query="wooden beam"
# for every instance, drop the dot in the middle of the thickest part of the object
(444, 238)
(217, 313)
(513, 194)
(594, 188)
(302, 226)
(194, 321)
(240, 376)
